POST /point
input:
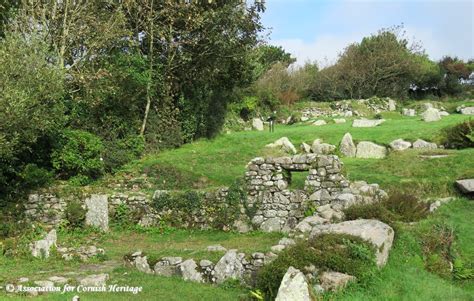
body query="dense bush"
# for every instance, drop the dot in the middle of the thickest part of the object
(459, 136)
(78, 153)
(336, 252)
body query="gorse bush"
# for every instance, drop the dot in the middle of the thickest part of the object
(459, 136)
(336, 252)
(78, 153)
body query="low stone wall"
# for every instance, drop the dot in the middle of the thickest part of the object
(264, 201)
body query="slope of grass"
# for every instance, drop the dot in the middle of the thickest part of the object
(223, 159)
(405, 278)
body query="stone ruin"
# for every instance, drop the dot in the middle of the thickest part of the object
(281, 209)
(275, 207)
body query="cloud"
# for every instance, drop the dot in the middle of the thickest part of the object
(443, 28)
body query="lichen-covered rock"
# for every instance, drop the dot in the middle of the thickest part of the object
(141, 263)
(333, 281)
(370, 150)
(305, 148)
(284, 144)
(466, 185)
(229, 266)
(431, 115)
(319, 122)
(409, 112)
(400, 145)
(321, 148)
(378, 233)
(95, 280)
(97, 214)
(188, 271)
(367, 123)
(466, 110)
(41, 248)
(419, 143)
(216, 248)
(273, 224)
(347, 146)
(257, 124)
(293, 287)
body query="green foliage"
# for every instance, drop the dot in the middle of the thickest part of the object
(336, 252)
(459, 136)
(78, 153)
(121, 151)
(31, 89)
(33, 176)
(75, 215)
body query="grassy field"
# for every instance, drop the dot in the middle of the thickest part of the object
(220, 161)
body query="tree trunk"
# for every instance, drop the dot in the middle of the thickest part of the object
(150, 71)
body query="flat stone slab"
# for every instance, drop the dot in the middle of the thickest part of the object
(378, 233)
(97, 214)
(367, 123)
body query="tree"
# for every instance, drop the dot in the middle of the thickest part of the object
(31, 90)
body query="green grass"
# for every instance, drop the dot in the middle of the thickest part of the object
(117, 243)
(405, 278)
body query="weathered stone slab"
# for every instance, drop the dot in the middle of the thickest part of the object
(293, 287)
(466, 185)
(347, 146)
(379, 234)
(229, 267)
(431, 115)
(370, 150)
(257, 124)
(400, 145)
(367, 123)
(41, 248)
(97, 214)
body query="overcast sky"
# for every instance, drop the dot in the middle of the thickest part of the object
(319, 30)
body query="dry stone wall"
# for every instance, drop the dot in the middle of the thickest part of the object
(268, 202)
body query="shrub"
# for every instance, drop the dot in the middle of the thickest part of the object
(459, 136)
(122, 151)
(402, 207)
(75, 214)
(407, 206)
(33, 176)
(78, 153)
(337, 252)
(437, 247)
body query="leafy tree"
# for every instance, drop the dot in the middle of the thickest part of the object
(31, 89)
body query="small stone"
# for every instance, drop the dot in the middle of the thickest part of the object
(58, 279)
(319, 123)
(216, 248)
(257, 124)
(94, 280)
(333, 281)
(286, 241)
(419, 143)
(339, 120)
(277, 248)
(400, 145)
